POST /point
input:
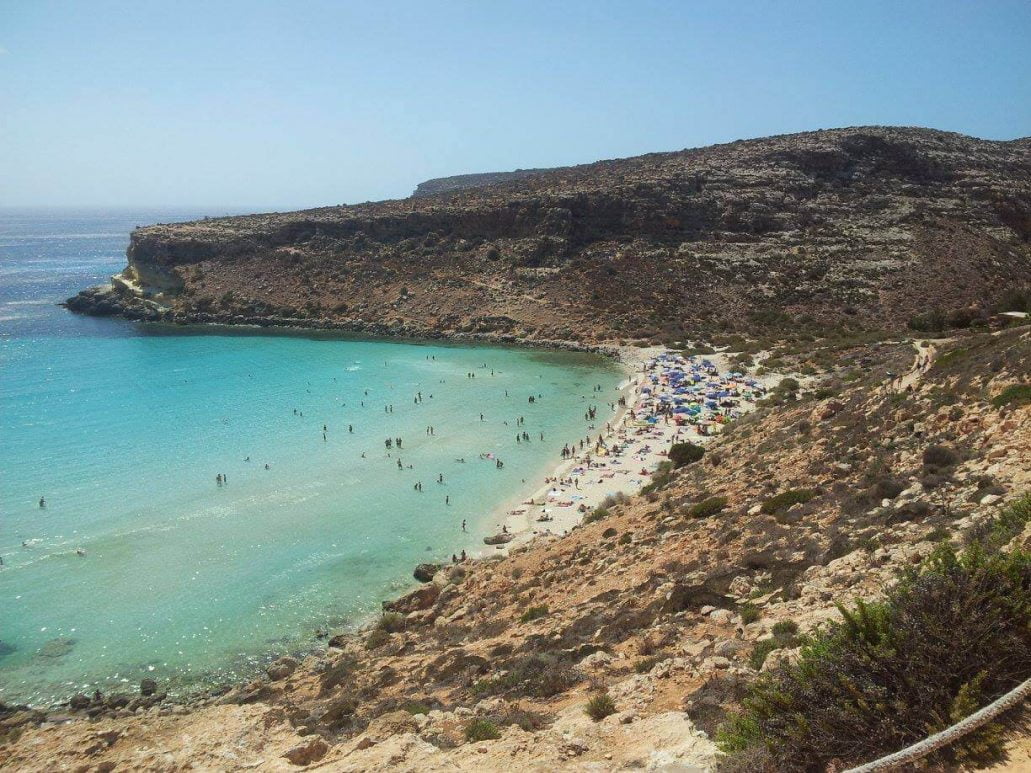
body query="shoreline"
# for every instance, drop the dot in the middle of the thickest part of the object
(87, 303)
(643, 456)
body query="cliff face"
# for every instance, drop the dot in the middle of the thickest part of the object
(866, 225)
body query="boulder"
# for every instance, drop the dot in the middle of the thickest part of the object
(148, 687)
(425, 572)
(79, 702)
(416, 601)
(498, 539)
(311, 750)
(282, 668)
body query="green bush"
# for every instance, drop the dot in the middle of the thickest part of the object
(707, 507)
(749, 612)
(1015, 395)
(482, 730)
(539, 676)
(683, 454)
(951, 636)
(609, 532)
(785, 628)
(786, 499)
(534, 613)
(597, 514)
(600, 706)
(760, 651)
(660, 479)
(788, 385)
(940, 456)
(416, 708)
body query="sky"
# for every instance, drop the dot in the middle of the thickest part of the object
(282, 105)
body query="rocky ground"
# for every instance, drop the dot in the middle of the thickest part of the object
(858, 228)
(669, 608)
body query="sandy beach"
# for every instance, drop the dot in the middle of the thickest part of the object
(555, 505)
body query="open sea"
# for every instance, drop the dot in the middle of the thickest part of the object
(140, 565)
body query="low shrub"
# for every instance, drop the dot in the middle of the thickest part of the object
(749, 612)
(609, 532)
(626, 539)
(786, 499)
(951, 636)
(597, 514)
(888, 488)
(940, 456)
(539, 676)
(661, 478)
(788, 385)
(534, 613)
(760, 651)
(707, 507)
(481, 730)
(646, 665)
(600, 706)
(391, 622)
(683, 454)
(416, 708)
(1013, 396)
(785, 628)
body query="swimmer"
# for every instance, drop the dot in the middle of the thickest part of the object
(42, 503)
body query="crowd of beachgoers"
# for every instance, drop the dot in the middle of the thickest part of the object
(667, 398)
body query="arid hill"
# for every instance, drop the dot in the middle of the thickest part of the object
(864, 227)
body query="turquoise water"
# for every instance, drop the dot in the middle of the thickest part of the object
(123, 429)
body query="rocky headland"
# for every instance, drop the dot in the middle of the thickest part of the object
(865, 227)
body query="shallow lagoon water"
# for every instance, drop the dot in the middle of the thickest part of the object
(123, 429)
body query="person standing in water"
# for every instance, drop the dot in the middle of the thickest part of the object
(42, 503)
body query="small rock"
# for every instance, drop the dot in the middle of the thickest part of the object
(308, 752)
(148, 687)
(282, 668)
(79, 702)
(990, 499)
(425, 572)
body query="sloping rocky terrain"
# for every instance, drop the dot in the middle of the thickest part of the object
(462, 181)
(862, 227)
(671, 610)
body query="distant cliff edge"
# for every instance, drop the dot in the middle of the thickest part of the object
(462, 181)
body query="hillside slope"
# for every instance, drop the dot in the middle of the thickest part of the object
(672, 611)
(863, 226)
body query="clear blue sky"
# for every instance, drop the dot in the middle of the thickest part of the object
(289, 104)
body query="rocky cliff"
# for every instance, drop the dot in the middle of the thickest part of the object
(862, 227)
